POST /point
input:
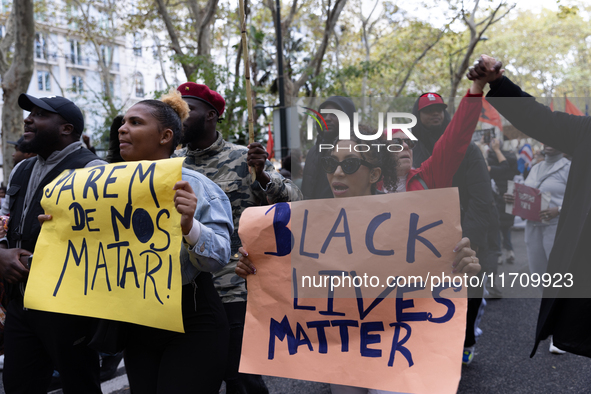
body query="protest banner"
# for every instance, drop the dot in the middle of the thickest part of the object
(379, 333)
(528, 203)
(112, 248)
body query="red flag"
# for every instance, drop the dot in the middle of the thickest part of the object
(490, 115)
(270, 144)
(570, 108)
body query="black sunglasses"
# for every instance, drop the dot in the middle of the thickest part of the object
(349, 166)
(398, 141)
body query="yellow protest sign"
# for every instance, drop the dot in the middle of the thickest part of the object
(394, 320)
(112, 248)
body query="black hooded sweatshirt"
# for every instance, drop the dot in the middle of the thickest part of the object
(314, 181)
(472, 179)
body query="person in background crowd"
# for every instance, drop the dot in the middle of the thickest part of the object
(565, 312)
(36, 342)
(18, 155)
(296, 167)
(314, 183)
(285, 170)
(538, 158)
(228, 166)
(86, 140)
(161, 361)
(502, 167)
(473, 182)
(550, 176)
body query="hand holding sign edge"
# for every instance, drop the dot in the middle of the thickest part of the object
(185, 202)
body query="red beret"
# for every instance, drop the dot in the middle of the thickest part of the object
(205, 94)
(428, 99)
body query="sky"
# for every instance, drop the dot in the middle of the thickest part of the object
(434, 16)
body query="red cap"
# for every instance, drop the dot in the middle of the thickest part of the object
(205, 94)
(429, 99)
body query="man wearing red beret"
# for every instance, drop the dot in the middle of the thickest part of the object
(228, 165)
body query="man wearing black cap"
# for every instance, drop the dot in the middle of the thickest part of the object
(228, 165)
(38, 342)
(314, 181)
(474, 185)
(18, 154)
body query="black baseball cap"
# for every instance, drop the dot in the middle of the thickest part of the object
(17, 143)
(56, 104)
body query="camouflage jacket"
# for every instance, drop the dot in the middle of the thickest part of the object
(225, 164)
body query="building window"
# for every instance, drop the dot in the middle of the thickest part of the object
(40, 46)
(159, 83)
(139, 85)
(111, 88)
(107, 54)
(44, 81)
(156, 48)
(71, 15)
(75, 52)
(137, 44)
(77, 84)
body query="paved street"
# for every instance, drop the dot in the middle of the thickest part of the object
(502, 363)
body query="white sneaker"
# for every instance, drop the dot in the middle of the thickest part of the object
(502, 257)
(510, 257)
(554, 349)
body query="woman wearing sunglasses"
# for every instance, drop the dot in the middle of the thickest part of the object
(354, 174)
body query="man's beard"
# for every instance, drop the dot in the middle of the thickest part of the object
(436, 131)
(39, 143)
(195, 132)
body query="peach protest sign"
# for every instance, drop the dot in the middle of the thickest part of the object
(112, 248)
(395, 318)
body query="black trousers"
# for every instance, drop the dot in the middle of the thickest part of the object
(161, 361)
(38, 342)
(475, 295)
(239, 383)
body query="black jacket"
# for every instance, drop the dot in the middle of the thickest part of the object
(471, 179)
(501, 173)
(314, 181)
(565, 312)
(17, 191)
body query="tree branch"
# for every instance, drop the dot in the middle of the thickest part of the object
(316, 62)
(417, 60)
(174, 38)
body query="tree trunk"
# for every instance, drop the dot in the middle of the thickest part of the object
(16, 80)
(189, 69)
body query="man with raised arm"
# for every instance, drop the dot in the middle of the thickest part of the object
(565, 311)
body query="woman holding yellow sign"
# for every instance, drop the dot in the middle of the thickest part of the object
(158, 360)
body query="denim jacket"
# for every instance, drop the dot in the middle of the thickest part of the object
(212, 250)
